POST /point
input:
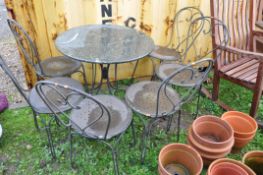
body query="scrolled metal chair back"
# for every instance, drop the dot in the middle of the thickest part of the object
(184, 15)
(192, 70)
(59, 98)
(202, 29)
(26, 45)
(9, 73)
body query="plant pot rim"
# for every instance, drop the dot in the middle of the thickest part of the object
(230, 164)
(203, 148)
(251, 153)
(184, 146)
(217, 120)
(239, 163)
(248, 118)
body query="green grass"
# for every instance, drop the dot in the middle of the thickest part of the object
(23, 150)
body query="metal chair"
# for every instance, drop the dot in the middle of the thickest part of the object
(199, 28)
(100, 117)
(157, 100)
(51, 67)
(31, 96)
(169, 52)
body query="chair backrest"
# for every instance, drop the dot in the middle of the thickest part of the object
(201, 28)
(192, 72)
(67, 99)
(8, 72)
(237, 15)
(183, 17)
(26, 45)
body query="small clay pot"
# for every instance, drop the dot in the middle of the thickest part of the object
(254, 159)
(244, 127)
(179, 158)
(227, 168)
(211, 131)
(241, 142)
(226, 160)
(212, 137)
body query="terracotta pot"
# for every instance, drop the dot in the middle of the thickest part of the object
(241, 142)
(254, 159)
(212, 131)
(208, 150)
(227, 168)
(244, 126)
(212, 137)
(225, 160)
(181, 158)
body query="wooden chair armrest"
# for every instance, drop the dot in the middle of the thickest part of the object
(242, 52)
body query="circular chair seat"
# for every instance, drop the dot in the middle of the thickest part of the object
(58, 66)
(186, 78)
(142, 98)
(89, 112)
(164, 53)
(39, 105)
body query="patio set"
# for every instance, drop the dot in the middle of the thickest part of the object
(88, 112)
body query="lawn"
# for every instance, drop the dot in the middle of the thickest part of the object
(23, 150)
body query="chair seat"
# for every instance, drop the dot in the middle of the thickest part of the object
(40, 107)
(58, 66)
(89, 111)
(185, 78)
(244, 69)
(164, 53)
(142, 98)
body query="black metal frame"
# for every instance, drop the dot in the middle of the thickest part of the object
(194, 13)
(104, 68)
(204, 28)
(22, 91)
(69, 124)
(191, 91)
(29, 50)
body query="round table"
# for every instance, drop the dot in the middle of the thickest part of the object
(104, 45)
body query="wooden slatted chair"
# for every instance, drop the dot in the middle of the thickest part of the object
(239, 63)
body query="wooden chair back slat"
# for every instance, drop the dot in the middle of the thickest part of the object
(235, 14)
(259, 6)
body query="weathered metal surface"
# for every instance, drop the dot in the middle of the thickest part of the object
(44, 20)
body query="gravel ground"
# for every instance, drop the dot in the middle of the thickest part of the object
(8, 50)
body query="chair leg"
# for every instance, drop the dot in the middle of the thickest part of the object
(169, 123)
(143, 144)
(50, 141)
(35, 114)
(178, 125)
(114, 157)
(216, 82)
(133, 134)
(198, 102)
(84, 76)
(134, 69)
(257, 91)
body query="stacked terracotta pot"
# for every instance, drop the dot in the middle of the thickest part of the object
(180, 159)
(229, 167)
(244, 127)
(212, 137)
